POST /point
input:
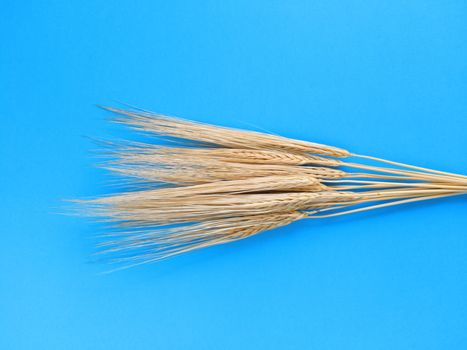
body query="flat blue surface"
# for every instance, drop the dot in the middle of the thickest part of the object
(385, 78)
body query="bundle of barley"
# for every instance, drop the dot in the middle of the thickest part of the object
(217, 185)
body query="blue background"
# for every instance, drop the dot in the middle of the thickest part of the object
(385, 78)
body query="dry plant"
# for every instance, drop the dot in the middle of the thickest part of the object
(215, 185)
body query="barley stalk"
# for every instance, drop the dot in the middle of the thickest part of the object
(217, 185)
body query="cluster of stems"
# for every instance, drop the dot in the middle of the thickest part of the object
(398, 184)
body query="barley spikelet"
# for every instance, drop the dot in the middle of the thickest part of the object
(145, 246)
(220, 136)
(152, 211)
(210, 171)
(250, 185)
(147, 154)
